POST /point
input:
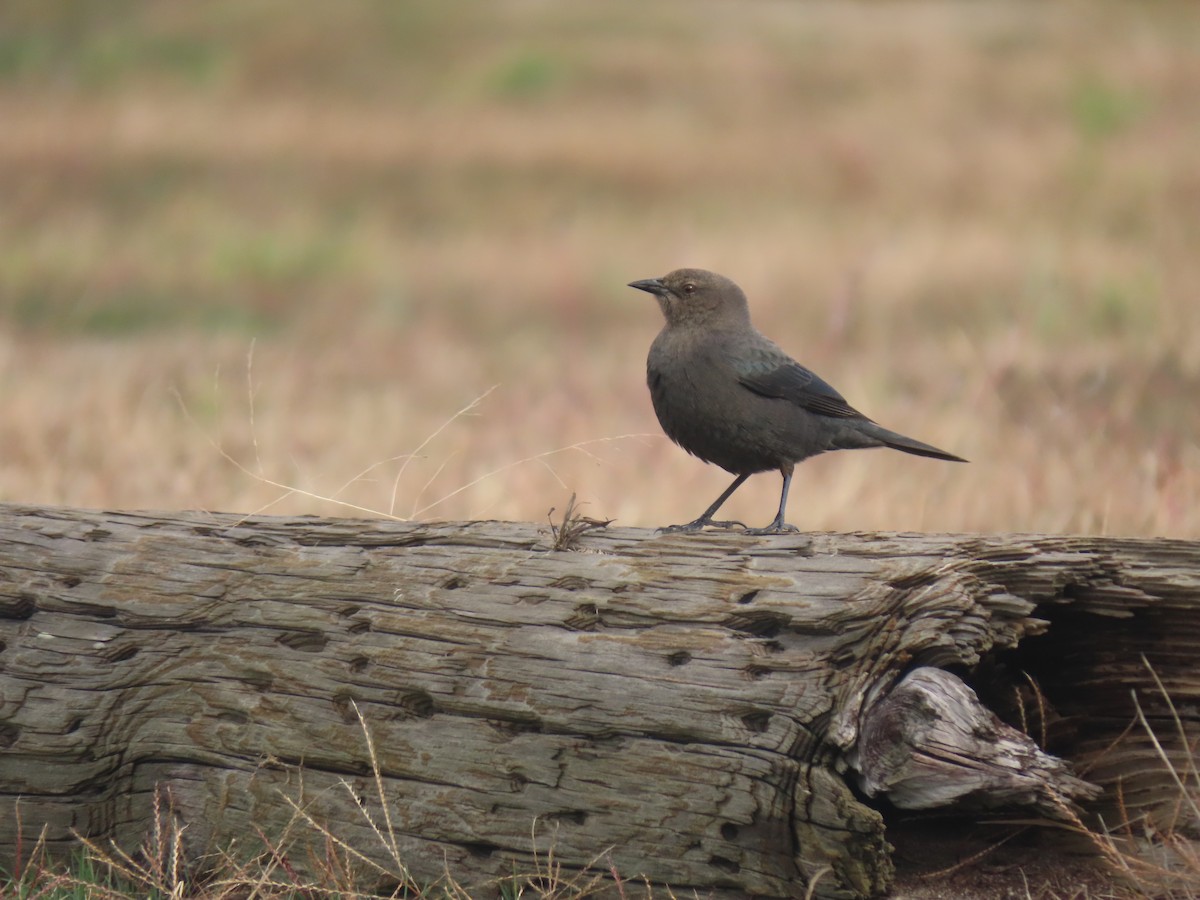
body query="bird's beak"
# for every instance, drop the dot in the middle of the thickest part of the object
(650, 285)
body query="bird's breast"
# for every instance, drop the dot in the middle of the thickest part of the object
(704, 409)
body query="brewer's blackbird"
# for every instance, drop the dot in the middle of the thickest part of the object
(725, 393)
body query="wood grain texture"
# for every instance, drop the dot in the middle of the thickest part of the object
(689, 705)
(929, 744)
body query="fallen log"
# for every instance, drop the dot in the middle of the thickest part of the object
(721, 713)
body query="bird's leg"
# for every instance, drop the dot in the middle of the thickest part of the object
(706, 518)
(778, 526)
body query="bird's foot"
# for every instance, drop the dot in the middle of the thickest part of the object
(699, 525)
(777, 527)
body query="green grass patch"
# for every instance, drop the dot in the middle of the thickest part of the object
(529, 74)
(133, 313)
(1101, 109)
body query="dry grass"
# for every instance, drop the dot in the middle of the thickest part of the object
(977, 220)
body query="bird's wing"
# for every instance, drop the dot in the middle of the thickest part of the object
(788, 380)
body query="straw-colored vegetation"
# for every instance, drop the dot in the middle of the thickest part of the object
(977, 220)
(252, 245)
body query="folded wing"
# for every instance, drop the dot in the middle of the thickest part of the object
(792, 382)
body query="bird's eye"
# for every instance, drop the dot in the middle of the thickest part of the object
(689, 287)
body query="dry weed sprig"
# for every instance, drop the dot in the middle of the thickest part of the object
(160, 868)
(18, 867)
(250, 402)
(390, 843)
(417, 509)
(972, 859)
(386, 836)
(32, 876)
(1176, 871)
(466, 410)
(548, 881)
(1184, 792)
(815, 880)
(1041, 707)
(338, 842)
(567, 533)
(579, 446)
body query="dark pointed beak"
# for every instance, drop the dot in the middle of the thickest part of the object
(649, 285)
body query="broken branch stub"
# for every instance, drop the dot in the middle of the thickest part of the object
(929, 743)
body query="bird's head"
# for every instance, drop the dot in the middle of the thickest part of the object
(697, 297)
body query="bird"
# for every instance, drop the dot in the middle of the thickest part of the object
(728, 395)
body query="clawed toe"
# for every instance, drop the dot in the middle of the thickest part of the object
(699, 525)
(775, 528)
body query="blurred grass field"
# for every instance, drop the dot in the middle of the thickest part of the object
(305, 235)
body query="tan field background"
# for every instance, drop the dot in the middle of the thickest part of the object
(245, 245)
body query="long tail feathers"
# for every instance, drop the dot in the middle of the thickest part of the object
(908, 445)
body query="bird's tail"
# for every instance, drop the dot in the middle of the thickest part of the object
(909, 445)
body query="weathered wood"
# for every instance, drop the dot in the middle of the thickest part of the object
(690, 704)
(930, 743)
